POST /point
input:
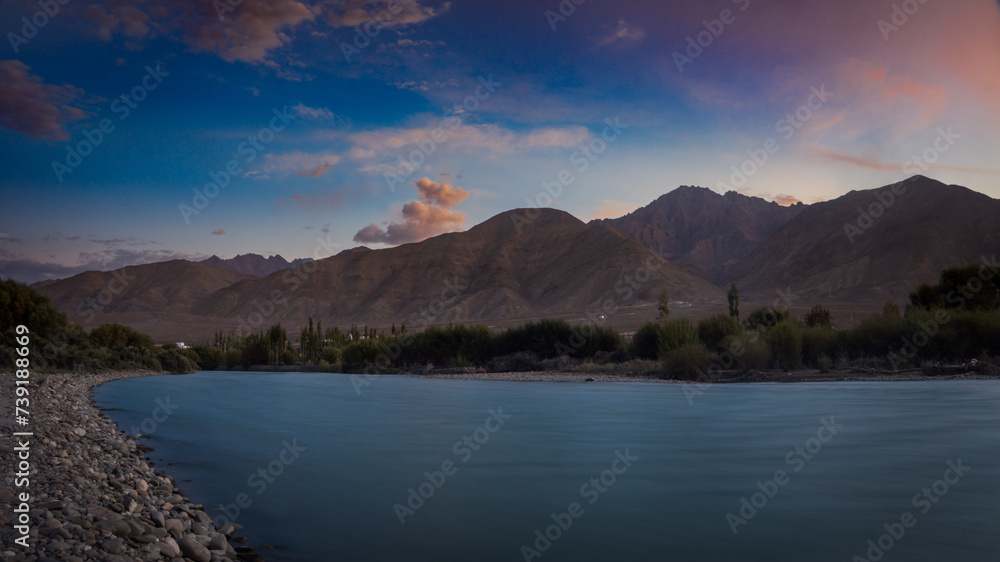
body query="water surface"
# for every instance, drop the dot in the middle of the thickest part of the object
(335, 500)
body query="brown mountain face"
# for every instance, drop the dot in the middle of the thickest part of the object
(704, 232)
(169, 286)
(506, 267)
(254, 264)
(875, 244)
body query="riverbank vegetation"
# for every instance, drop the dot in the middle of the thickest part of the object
(954, 321)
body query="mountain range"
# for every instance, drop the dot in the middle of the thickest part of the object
(862, 248)
(254, 264)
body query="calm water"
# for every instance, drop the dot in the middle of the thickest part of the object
(335, 500)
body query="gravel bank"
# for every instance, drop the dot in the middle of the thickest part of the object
(93, 495)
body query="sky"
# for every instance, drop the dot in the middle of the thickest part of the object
(146, 130)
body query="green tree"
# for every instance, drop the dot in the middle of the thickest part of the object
(734, 303)
(890, 311)
(663, 306)
(818, 317)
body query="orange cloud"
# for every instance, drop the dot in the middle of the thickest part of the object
(877, 165)
(611, 209)
(420, 219)
(319, 171)
(442, 194)
(219, 232)
(786, 200)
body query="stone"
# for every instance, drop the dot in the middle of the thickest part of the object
(219, 542)
(169, 548)
(114, 546)
(192, 549)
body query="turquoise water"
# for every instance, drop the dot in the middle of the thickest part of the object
(674, 470)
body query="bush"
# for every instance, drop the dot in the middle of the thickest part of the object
(209, 358)
(817, 343)
(687, 361)
(818, 317)
(520, 362)
(332, 355)
(714, 330)
(765, 317)
(677, 333)
(117, 336)
(646, 341)
(750, 350)
(365, 352)
(785, 341)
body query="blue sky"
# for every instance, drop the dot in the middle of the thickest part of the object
(490, 100)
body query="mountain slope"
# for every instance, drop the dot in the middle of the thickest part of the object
(169, 286)
(702, 231)
(831, 250)
(254, 264)
(499, 269)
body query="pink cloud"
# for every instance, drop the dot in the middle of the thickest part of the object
(30, 106)
(420, 220)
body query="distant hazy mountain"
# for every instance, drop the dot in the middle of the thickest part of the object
(877, 243)
(170, 286)
(704, 232)
(254, 264)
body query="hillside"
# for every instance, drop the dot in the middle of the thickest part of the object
(169, 286)
(555, 264)
(826, 251)
(704, 232)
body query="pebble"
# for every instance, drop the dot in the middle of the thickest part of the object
(96, 498)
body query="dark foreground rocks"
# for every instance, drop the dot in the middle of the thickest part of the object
(93, 495)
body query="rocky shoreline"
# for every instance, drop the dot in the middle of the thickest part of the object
(92, 494)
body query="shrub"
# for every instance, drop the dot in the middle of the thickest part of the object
(818, 317)
(332, 355)
(646, 341)
(750, 350)
(785, 341)
(677, 333)
(765, 317)
(817, 343)
(520, 362)
(714, 330)
(686, 361)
